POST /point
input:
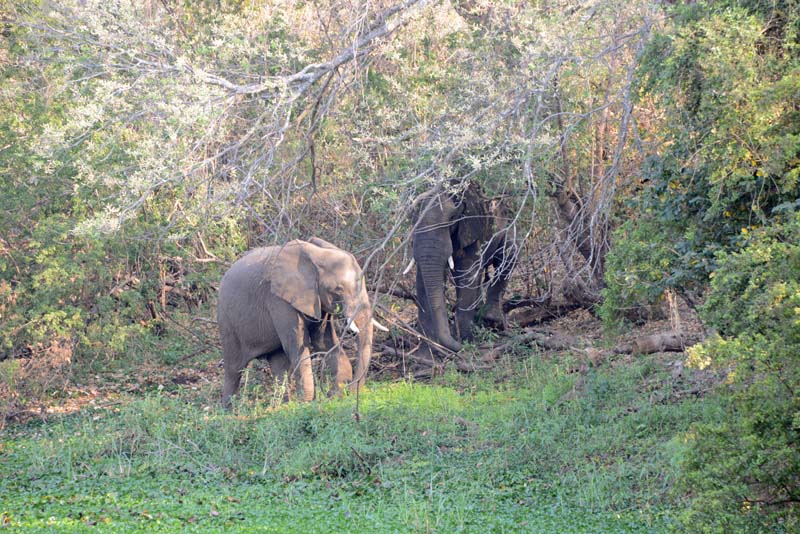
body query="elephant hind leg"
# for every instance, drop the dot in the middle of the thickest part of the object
(232, 379)
(233, 362)
(233, 376)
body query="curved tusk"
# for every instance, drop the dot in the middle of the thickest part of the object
(379, 326)
(352, 326)
(450, 263)
(410, 265)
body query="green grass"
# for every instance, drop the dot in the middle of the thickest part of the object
(492, 452)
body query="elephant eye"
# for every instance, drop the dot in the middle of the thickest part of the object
(337, 308)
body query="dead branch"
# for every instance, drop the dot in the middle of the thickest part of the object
(194, 353)
(542, 339)
(402, 325)
(398, 291)
(298, 83)
(545, 314)
(526, 302)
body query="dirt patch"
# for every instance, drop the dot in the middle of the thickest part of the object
(105, 391)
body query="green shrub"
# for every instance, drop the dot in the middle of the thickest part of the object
(742, 471)
(638, 270)
(726, 76)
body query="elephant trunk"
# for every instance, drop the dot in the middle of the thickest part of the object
(363, 322)
(431, 261)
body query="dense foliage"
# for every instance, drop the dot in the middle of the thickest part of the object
(727, 78)
(720, 204)
(641, 149)
(79, 289)
(743, 467)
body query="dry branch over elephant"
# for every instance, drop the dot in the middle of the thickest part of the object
(279, 302)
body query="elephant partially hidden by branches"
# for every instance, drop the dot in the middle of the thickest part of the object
(278, 303)
(455, 229)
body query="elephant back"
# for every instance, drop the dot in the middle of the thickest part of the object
(249, 271)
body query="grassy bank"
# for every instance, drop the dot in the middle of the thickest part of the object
(510, 450)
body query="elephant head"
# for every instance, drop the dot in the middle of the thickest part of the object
(446, 224)
(319, 278)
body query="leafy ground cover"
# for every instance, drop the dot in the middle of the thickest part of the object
(532, 446)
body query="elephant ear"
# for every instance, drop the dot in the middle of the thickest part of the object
(473, 223)
(294, 278)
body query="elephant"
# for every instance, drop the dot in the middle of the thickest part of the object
(279, 303)
(455, 228)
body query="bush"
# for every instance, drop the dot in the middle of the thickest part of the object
(726, 76)
(741, 471)
(638, 270)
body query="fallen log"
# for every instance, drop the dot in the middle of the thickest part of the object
(663, 342)
(543, 339)
(525, 302)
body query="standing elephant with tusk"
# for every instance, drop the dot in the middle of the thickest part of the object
(455, 229)
(278, 303)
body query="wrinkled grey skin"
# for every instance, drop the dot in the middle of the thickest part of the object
(278, 303)
(459, 224)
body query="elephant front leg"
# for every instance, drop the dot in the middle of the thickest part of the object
(503, 260)
(493, 311)
(295, 340)
(341, 371)
(280, 366)
(467, 277)
(302, 374)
